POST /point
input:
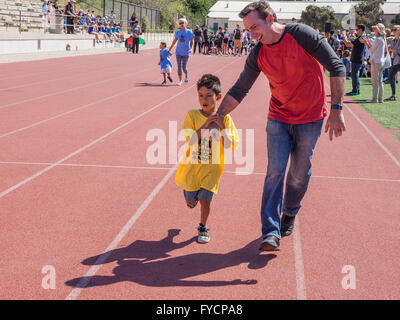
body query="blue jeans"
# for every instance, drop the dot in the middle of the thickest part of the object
(284, 140)
(355, 76)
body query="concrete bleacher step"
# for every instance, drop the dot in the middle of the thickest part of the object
(27, 13)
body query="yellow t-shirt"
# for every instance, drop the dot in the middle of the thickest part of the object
(202, 164)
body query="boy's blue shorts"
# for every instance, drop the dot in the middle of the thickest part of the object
(202, 194)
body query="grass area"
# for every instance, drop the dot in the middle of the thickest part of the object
(386, 113)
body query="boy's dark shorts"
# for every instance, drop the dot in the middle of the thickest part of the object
(202, 194)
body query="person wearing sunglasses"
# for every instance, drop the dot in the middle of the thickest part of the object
(185, 39)
(394, 49)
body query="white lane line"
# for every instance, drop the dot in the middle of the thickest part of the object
(71, 89)
(106, 166)
(5, 192)
(93, 270)
(298, 262)
(70, 111)
(100, 261)
(321, 177)
(397, 162)
(73, 110)
(74, 73)
(39, 173)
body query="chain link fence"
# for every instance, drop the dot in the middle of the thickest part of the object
(124, 10)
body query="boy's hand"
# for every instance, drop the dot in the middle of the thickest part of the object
(219, 120)
(159, 63)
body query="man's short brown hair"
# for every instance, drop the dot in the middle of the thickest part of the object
(262, 7)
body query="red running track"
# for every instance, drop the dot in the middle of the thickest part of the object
(78, 194)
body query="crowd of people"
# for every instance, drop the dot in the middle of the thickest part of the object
(375, 55)
(222, 42)
(104, 28)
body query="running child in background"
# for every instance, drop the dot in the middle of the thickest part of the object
(165, 62)
(201, 167)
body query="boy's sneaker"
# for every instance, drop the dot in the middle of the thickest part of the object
(179, 83)
(187, 80)
(164, 82)
(169, 78)
(203, 237)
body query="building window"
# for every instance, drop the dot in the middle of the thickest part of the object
(215, 26)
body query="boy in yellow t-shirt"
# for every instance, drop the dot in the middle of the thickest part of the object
(206, 135)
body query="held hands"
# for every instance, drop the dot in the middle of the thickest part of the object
(217, 120)
(214, 122)
(335, 124)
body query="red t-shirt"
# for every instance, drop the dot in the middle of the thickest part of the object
(296, 78)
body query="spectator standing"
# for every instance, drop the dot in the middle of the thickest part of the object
(357, 57)
(45, 11)
(206, 39)
(347, 63)
(245, 41)
(225, 42)
(198, 39)
(394, 49)
(113, 17)
(238, 42)
(132, 20)
(333, 41)
(377, 50)
(136, 32)
(70, 13)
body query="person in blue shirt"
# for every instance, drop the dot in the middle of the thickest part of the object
(102, 31)
(165, 62)
(184, 37)
(109, 33)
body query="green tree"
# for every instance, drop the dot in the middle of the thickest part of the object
(369, 12)
(169, 9)
(145, 23)
(197, 10)
(316, 17)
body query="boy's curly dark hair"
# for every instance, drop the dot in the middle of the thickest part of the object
(210, 82)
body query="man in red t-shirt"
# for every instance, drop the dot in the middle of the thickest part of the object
(291, 56)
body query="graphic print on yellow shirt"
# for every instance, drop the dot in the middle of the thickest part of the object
(201, 166)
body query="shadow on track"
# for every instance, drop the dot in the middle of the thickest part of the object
(137, 263)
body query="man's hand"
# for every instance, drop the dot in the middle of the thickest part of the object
(219, 120)
(335, 124)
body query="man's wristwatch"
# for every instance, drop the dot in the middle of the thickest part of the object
(336, 107)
